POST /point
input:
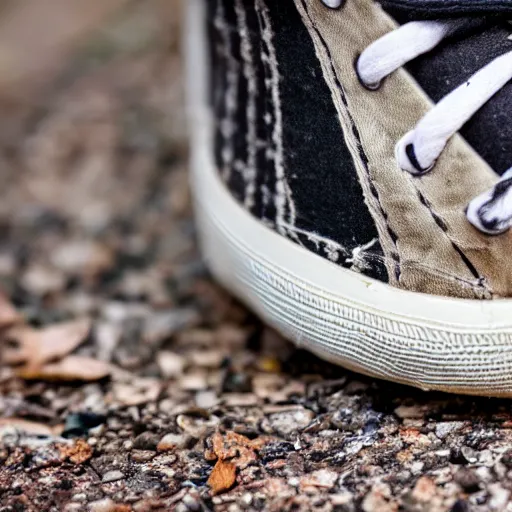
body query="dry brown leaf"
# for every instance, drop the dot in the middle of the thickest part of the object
(78, 453)
(30, 427)
(222, 477)
(240, 449)
(68, 369)
(39, 346)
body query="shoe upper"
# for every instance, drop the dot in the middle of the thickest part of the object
(311, 152)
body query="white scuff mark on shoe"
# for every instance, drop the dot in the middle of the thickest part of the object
(358, 256)
(283, 194)
(227, 124)
(333, 250)
(249, 71)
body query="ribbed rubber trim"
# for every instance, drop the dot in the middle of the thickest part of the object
(431, 342)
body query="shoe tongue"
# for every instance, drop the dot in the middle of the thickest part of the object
(424, 9)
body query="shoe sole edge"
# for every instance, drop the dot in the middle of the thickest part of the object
(431, 342)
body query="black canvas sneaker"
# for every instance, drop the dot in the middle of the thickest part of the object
(351, 174)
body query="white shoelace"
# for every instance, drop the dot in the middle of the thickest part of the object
(419, 149)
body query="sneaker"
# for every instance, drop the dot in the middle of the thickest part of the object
(350, 170)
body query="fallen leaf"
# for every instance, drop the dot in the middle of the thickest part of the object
(29, 427)
(240, 449)
(222, 477)
(38, 346)
(78, 453)
(68, 369)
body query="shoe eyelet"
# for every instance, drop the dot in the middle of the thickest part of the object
(369, 87)
(333, 4)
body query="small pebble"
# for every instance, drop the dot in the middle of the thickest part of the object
(146, 441)
(469, 454)
(424, 490)
(82, 256)
(322, 478)
(194, 381)
(207, 358)
(506, 458)
(377, 500)
(105, 505)
(467, 479)
(499, 496)
(206, 399)
(288, 422)
(141, 455)
(112, 476)
(73, 507)
(171, 365)
(171, 441)
(444, 428)
(414, 411)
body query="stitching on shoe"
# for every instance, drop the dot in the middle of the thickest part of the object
(478, 287)
(362, 155)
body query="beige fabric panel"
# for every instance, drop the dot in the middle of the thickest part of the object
(421, 219)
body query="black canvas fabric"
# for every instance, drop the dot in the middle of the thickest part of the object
(328, 199)
(449, 8)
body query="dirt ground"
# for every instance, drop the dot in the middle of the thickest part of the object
(130, 381)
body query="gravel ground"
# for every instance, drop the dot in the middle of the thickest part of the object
(131, 382)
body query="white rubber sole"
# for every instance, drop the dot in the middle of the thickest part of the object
(426, 341)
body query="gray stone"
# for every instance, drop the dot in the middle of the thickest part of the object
(112, 476)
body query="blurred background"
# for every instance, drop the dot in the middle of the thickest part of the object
(92, 110)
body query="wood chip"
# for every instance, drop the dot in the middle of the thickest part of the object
(39, 346)
(239, 449)
(222, 477)
(78, 453)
